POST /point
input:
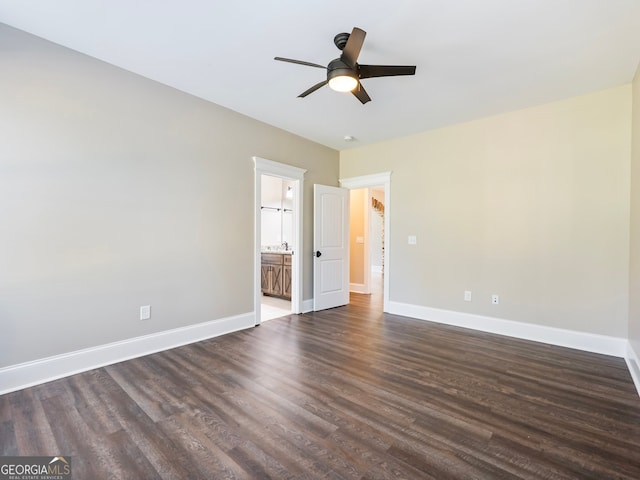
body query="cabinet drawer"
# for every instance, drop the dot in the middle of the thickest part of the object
(272, 258)
(287, 259)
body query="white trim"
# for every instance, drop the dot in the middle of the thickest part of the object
(17, 377)
(307, 306)
(358, 288)
(278, 169)
(289, 172)
(374, 180)
(589, 342)
(364, 181)
(633, 363)
(376, 268)
(366, 251)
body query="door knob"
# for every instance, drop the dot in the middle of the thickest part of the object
(318, 253)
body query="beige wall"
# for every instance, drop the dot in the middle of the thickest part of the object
(356, 229)
(634, 276)
(531, 205)
(117, 192)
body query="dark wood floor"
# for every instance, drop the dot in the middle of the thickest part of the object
(348, 393)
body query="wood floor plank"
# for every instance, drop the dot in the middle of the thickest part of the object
(89, 403)
(33, 434)
(348, 393)
(125, 460)
(155, 402)
(8, 443)
(167, 457)
(258, 464)
(206, 459)
(74, 438)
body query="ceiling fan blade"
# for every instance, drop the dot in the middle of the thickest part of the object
(370, 71)
(313, 89)
(299, 62)
(361, 94)
(353, 47)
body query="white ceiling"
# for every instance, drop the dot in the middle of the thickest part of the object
(474, 58)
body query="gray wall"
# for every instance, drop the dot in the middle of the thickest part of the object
(532, 205)
(634, 274)
(117, 192)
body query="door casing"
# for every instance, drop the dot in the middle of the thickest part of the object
(375, 180)
(263, 166)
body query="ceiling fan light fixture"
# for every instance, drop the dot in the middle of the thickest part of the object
(343, 83)
(341, 77)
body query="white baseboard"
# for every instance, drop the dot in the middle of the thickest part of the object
(633, 363)
(307, 306)
(589, 342)
(17, 377)
(357, 288)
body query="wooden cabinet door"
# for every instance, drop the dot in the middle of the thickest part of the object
(265, 278)
(286, 281)
(276, 280)
(272, 274)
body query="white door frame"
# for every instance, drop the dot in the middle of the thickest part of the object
(375, 180)
(288, 172)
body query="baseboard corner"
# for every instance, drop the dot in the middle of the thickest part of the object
(633, 363)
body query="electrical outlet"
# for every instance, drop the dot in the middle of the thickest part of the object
(495, 299)
(467, 295)
(145, 312)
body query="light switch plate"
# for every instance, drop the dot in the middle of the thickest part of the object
(145, 312)
(412, 240)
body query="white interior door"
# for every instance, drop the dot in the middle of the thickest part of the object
(330, 247)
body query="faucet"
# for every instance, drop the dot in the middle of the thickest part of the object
(285, 245)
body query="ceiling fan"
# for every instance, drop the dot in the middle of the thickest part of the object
(344, 73)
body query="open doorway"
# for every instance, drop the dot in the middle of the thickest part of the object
(366, 222)
(369, 235)
(278, 239)
(276, 245)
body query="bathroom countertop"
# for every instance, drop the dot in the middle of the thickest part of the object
(283, 252)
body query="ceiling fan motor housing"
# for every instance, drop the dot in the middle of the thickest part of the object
(340, 40)
(338, 68)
